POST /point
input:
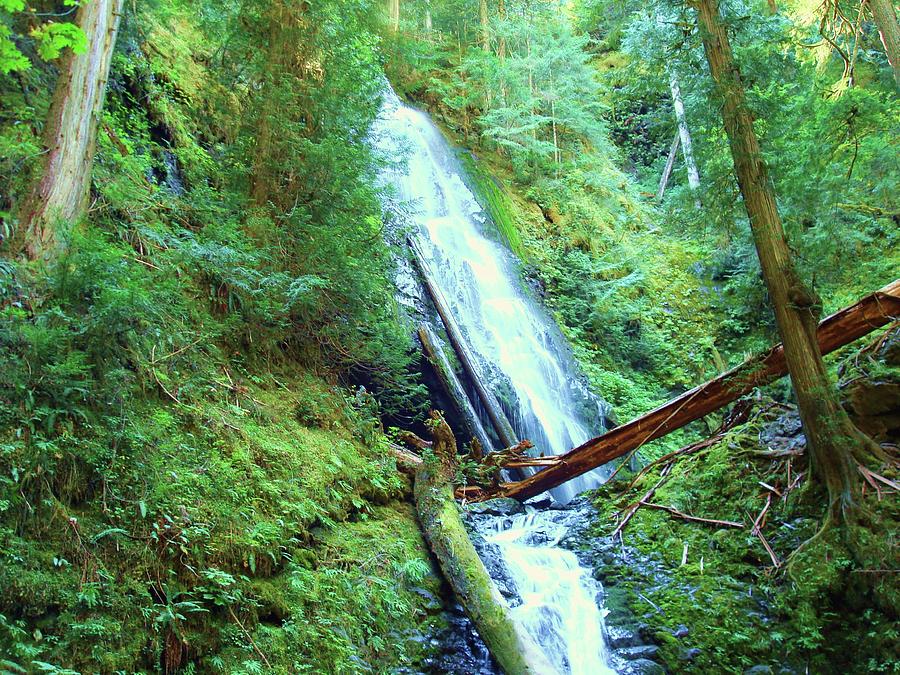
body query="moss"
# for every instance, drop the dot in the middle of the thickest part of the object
(826, 611)
(464, 570)
(495, 199)
(218, 524)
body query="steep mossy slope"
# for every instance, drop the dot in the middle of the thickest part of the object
(192, 478)
(258, 524)
(711, 596)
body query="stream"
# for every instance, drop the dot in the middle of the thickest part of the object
(524, 359)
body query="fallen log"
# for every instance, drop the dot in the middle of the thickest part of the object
(839, 329)
(451, 384)
(498, 419)
(439, 517)
(407, 461)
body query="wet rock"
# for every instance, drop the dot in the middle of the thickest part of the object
(875, 407)
(493, 562)
(759, 670)
(432, 604)
(681, 631)
(460, 650)
(502, 506)
(690, 654)
(638, 653)
(619, 637)
(784, 434)
(643, 667)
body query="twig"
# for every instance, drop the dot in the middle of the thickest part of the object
(249, 637)
(175, 353)
(650, 602)
(760, 521)
(156, 377)
(635, 506)
(769, 550)
(686, 516)
(771, 489)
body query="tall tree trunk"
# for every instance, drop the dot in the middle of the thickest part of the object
(687, 144)
(485, 26)
(667, 172)
(395, 15)
(832, 438)
(70, 136)
(886, 20)
(501, 48)
(261, 178)
(485, 46)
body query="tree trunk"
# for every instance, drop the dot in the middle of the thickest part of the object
(886, 20)
(670, 164)
(61, 196)
(485, 26)
(687, 144)
(491, 405)
(501, 48)
(832, 438)
(452, 386)
(839, 329)
(261, 177)
(439, 517)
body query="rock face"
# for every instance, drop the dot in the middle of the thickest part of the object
(874, 401)
(460, 650)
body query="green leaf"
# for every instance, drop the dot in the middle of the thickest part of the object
(11, 59)
(53, 38)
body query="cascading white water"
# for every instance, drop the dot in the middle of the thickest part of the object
(558, 608)
(520, 353)
(518, 346)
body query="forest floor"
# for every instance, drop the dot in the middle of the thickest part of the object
(706, 596)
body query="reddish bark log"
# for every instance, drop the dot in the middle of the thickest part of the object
(839, 329)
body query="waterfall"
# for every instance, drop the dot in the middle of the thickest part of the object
(524, 359)
(557, 595)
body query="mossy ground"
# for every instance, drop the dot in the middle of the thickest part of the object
(825, 610)
(257, 526)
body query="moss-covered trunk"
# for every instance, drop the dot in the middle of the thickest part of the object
(439, 516)
(833, 439)
(61, 195)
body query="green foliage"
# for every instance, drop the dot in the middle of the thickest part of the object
(49, 39)
(168, 459)
(823, 610)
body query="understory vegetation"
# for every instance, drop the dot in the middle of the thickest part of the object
(193, 474)
(742, 589)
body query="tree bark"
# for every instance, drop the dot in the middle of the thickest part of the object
(491, 405)
(839, 329)
(886, 20)
(61, 196)
(670, 164)
(485, 26)
(687, 144)
(452, 385)
(439, 517)
(832, 438)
